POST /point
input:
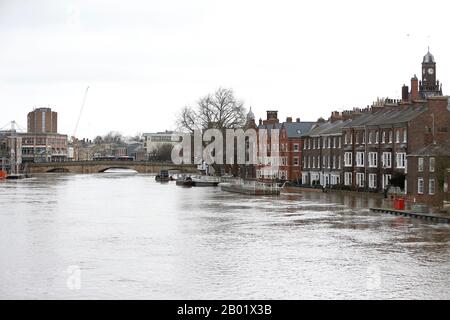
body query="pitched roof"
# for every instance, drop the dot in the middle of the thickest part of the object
(387, 116)
(296, 129)
(442, 149)
(327, 128)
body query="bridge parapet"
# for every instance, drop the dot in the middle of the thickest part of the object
(101, 166)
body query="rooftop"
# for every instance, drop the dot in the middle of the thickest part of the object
(442, 149)
(428, 58)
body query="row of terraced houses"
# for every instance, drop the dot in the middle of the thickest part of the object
(402, 142)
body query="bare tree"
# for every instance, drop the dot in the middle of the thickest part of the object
(113, 137)
(220, 110)
(162, 152)
(98, 140)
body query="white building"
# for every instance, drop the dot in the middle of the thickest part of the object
(153, 140)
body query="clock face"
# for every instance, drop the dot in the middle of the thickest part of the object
(430, 70)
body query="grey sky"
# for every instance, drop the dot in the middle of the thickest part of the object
(144, 60)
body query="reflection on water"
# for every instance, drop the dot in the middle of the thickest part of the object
(132, 237)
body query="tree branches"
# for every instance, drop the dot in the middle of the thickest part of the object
(220, 110)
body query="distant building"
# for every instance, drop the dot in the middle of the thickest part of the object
(10, 151)
(42, 120)
(42, 142)
(137, 151)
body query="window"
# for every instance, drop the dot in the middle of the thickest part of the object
(401, 160)
(348, 159)
(351, 138)
(309, 162)
(370, 137)
(360, 179)
(348, 178)
(387, 159)
(397, 136)
(295, 161)
(405, 135)
(372, 180)
(323, 162)
(432, 164)
(420, 186)
(339, 162)
(329, 143)
(420, 164)
(431, 186)
(329, 163)
(339, 139)
(360, 159)
(334, 142)
(390, 136)
(356, 137)
(373, 159)
(363, 137)
(386, 180)
(295, 146)
(383, 137)
(334, 162)
(376, 136)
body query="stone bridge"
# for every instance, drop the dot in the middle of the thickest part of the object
(102, 166)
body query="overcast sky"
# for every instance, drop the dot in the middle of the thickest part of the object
(144, 60)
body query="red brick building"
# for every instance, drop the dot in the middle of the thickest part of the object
(428, 178)
(290, 148)
(42, 120)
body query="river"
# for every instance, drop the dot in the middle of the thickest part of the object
(125, 236)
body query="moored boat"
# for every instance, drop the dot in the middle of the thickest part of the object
(195, 181)
(184, 181)
(15, 176)
(252, 188)
(162, 176)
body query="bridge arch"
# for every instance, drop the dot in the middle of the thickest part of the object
(58, 170)
(117, 167)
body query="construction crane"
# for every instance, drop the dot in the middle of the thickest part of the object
(74, 139)
(81, 111)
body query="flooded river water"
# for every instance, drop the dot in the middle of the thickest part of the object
(128, 237)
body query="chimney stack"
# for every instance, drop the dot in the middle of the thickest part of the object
(289, 119)
(335, 116)
(414, 88)
(405, 93)
(297, 120)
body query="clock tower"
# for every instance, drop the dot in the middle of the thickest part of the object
(429, 86)
(428, 69)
